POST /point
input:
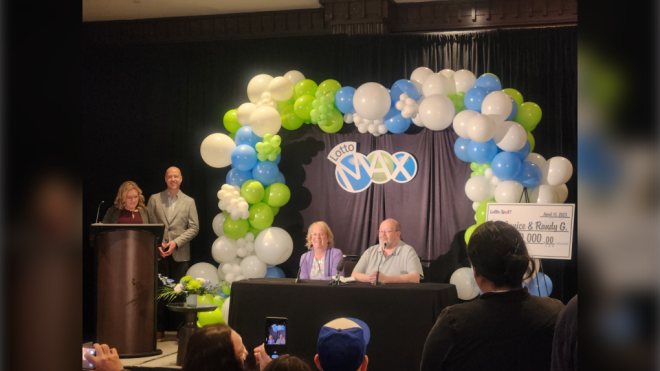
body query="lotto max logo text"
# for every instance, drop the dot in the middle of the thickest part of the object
(355, 172)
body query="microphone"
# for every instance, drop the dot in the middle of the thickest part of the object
(340, 267)
(378, 270)
(299, 269)
(97, 211)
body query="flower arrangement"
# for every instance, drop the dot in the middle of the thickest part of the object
(187, 286)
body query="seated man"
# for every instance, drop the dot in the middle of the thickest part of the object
(281, 340)
(398, 261)
(342, 345)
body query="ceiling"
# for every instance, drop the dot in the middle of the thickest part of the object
(112, 10)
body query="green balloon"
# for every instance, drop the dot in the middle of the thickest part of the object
(532, 141)
(303, 106)
(304, 87)
(231, 121)
(206, 298)
(276, 141)
(262, 156)
(225, 212)
(261, 216)
(232, 136)
(252, 191)
(335, 122)
(289, 119)
(218, 300)
(254, 231)
(235, 228)
(209, 318)
(314, 114)
(458, 100)
(285, 103)
(469, 231)
(268, 137)
(259, 147)
(275, 210)
(329, 86)
(529, 115)
(515, 94)
(481, 211)
(474, 166)
(272, 157)
(226, 290)
(277, 195)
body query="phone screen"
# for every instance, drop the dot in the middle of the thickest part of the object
(86, 364)
(276, 336)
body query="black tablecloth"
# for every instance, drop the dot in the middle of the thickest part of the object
(400, 316)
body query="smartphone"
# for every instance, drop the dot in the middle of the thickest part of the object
(86, 364)
(276, 336)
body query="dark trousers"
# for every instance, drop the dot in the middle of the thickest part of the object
(166, 319)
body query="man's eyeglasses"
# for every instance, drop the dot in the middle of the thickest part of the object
(318, 235)
(387, 231)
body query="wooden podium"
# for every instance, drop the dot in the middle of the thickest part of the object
(127, 284)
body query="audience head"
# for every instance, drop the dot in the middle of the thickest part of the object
(173, 178)
(129, 197)
(215, 347)
(389, 232)
(319, 235)
(498, 253)
(342, 345)
(287, 363)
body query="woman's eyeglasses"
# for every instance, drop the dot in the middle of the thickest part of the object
(318, 235)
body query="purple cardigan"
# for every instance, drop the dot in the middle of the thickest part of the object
(332, 257)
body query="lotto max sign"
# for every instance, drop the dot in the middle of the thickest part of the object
(355, 172)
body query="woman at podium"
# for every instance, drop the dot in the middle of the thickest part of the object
(129, 207)
(320, 263)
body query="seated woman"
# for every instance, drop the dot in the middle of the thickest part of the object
(505, 328)
(320, 263)
(129, 207)
(215, 347)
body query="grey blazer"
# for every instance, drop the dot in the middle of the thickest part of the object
(184, 225)
(112, 215)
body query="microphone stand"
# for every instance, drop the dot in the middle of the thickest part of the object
(340, 267)
(97, 212)
(376, 283)
(299, 269)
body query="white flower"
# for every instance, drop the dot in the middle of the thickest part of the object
(201, 280)
(178, 288)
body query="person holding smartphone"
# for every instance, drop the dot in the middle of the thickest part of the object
(104, 358)
(320, 263)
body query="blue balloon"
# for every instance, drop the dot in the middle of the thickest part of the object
(398, 124)
(391, 113)
(474, 98)
(265, 172)
(506, 165)
(514, 110)
(244, 157)
(524, 152)
(529, 175)
(541, 285)
(482, 153)
(280, 179)
(275, 272)
(461, 149)
(344, 99)
(245, 135)
(278, 159)
(489, 82)
(238, 177)
(403, 86)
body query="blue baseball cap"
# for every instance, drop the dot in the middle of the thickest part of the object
(342, 344)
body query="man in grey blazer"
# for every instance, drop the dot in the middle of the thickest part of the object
(179, 214)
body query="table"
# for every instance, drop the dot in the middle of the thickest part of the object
(186, 331)
(400, 316)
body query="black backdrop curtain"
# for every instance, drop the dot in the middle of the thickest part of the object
(148, 107)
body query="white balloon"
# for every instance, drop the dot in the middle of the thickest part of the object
(294, 76)
(280, 88)
(488, 173)
(245, 214)
(225, 310)
(508, 191)
(236, 270)
(226, 268)
(372, 101)
(382, 129)
(273, 246)
(244, 112)
(243, 206)
(419, 76)
(464, 80)
(562, 193)
(461, 122)
(479, 189)
(373, 128)
(543, 194)
(230, 277)
(535, 158)
(400, 105)
(556, 171)
(216, 150)
(257, 86)
(348, 118)
(265, 120)
(436, 84)
(481, 128)
(447, 73)
(222, 205)
(495, 180)
(224, 249)
(466, 286)
(241, 242)
(417, 120)
(497, 105)
(218, 223)
(475, 205)
(253, 267)
(239, 278)
(357, 119)
(437, 112)
(510, 136)
(363, 128)
(249, 237)
(204, 270)
(235, 215)
(241, 252)
(221, 268)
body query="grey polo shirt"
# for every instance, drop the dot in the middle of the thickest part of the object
(402, 260)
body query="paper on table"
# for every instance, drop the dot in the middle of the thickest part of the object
(346, 279)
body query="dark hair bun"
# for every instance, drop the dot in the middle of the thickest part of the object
(515, 268)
